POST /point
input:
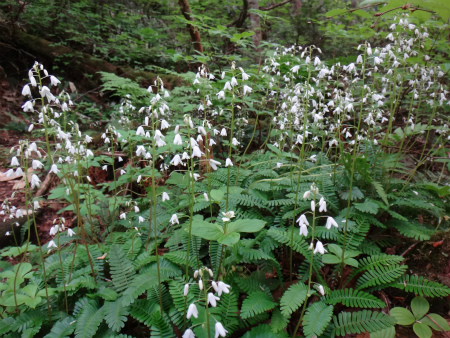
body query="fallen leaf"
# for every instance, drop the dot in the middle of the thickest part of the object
(438, 243)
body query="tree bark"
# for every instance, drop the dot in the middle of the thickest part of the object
(193, 31)
(255, 23)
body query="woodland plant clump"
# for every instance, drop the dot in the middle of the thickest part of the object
(195, 234)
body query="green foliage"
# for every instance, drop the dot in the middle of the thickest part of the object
(352, 298)
(360, 321)
(255, 304)
(421, 286)
(122, 271)
(293, 298)
(316, 319)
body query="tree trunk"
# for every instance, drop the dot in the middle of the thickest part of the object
(193, 32)
(255, 23)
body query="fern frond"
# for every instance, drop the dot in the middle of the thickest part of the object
(293, 298)
(264, 331)
(278, 322)
(161, 327)
(27, 320)
(360, 321)
(115, 314)
(316, 319)
(381, 275)
(412, 229)
(88, 320)
(140, 284)
(122, 271)
(142, 310)
(256, 303)
(352, 298)
(62, 328)
(228, 309)
(421, 286)
(371, 262)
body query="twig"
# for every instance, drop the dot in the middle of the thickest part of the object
(409, 249)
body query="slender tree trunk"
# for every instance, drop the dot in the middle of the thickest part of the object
(193, 32)
(255, 23)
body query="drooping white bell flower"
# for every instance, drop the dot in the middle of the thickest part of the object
(212, 299)
(322, 205)
(228, 162)
(303, 230)
(220, 330)
(214, 164)
(174, 219)
(186, 289)
(225, 288)
(302, 220)
(319, 248)
(188, 334)
(165, 196)
(35, 181)
(192, 311)
(331, 222)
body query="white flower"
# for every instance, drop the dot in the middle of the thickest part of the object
(200, 284)
(174, 219)
(15, 161)
(141, 219)
(51, 244)
(319, 248)
(303, 230)
(165, 196)
(212, 299)
(322, 205)
(222, 288)
(228, 162)
(321, 290)
(70, 232)
(140, 150)
(214, 164)
(223, 132)
(196, 176)
(164, 124)
(227, 86)
(205, 195)
(28, 106)
(235, 142)
(196, 152)
(188, 334)
(302, 220)
(306, 194)
(234, 81)
(30, 128)
(192, 311)
(221, 95)
(7, 233)
(26, 90)
(177, 140)
(123, 215)
(140, 131)
(220, 330)
(54, 230)
(35, 181)
(247, 89)
(313, 206)
(54, 81)
(215, 286)
(331, 222)
(36, 205)
(228, 215)
(415, 192)
(186, 289)
(176, 160)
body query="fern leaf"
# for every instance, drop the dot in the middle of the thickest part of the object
(278, 322)
(380, 190)
(115, 314)
(142, 310)
(88, 321)
(62, 328)
(316, 319)
(161, 327)
(412, 229)
(256, 303)
(421, 286)
(352, 298)
(122, 271)
(293, 298)
(27, 320)
(264, 331)
(139, 285)
(381, 275)
(360, 321)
